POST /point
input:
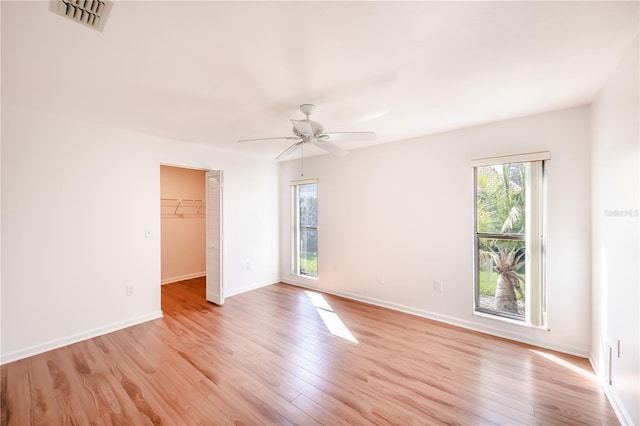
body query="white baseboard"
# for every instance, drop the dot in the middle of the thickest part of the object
(75, 338)
(250, 287)
(621, 412)
(571, 350)
(618, 408)
(182, 278)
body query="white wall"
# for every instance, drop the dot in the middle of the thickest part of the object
(615, 186)
(76, 200)
(404, 211)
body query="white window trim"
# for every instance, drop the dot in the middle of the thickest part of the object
(303, 182)
(518, 158)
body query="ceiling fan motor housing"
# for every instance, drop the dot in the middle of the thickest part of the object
(315, 126)
(307, 109)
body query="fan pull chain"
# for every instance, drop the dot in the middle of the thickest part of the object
(302, 159)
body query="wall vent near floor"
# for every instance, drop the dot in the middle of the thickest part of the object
(92, 13)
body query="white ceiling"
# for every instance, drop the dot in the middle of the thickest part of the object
(215, 72)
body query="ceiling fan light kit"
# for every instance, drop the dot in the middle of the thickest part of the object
(308, 131)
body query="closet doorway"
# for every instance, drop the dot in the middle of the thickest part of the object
(191, 227)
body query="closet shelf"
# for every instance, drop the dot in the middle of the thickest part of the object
(181, 207)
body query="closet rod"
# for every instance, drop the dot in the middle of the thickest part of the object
(180, 200)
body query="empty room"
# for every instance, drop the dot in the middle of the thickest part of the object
(320, 213)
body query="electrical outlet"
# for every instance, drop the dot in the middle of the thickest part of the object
(131, 290)
(437, 286)
(381, 279)
(248, 266)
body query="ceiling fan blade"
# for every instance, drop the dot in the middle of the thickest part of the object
(269, 139)
(352, 136)
(289, 150)
(303, 127)
(330, 148)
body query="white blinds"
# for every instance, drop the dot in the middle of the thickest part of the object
(534, 243)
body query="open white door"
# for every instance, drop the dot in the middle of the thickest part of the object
(215, 292)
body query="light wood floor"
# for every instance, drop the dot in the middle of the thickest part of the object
(267, 357)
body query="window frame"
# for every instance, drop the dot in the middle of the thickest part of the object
(534, 238)
(296, 227)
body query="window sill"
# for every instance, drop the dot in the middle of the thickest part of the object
(310, 277)
(521, 323)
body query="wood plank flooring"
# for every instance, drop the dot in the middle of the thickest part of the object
(268, 357)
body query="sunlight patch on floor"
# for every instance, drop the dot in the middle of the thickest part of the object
(331, 320)
(319, 301)
(565, 364)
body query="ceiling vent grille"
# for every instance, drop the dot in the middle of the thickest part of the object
(92, 13)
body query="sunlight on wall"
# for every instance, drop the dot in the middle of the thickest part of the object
(331, 320)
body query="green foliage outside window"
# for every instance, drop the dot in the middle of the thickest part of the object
(500, 210)
(308, 229)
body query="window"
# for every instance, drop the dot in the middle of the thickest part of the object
(509, 269)
(305, 229)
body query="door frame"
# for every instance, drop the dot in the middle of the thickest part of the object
(207, 218)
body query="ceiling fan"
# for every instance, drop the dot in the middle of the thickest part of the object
(307, 131)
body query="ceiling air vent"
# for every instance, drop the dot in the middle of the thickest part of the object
(92, 13)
